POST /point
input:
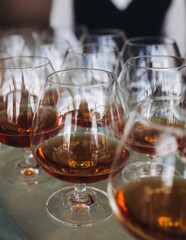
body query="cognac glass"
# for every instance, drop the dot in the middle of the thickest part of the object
(51, 47)
(107, 36)
(22, 80)
(92, 55)
(150, 45)
(73, 34)
(73, 140)
(54, 42)
(19, 41)
(3, 147)
(147, 195)
(152, 75)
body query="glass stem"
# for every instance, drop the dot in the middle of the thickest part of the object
(28, 160)
(80, 195)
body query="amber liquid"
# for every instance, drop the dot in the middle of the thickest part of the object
(145, 139)
(101, 115)
(80, 158)
(15, 130)
(151, 210)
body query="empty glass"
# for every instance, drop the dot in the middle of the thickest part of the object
(150, 45)
(93, 55)
(52, 47)
(72, 34)
(107, 36)
(19, 41)
(145, 76)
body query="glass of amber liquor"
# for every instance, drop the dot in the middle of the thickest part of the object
(147, 193)
(81, 147)
(22, 79)
(94, 55)
(152, 75)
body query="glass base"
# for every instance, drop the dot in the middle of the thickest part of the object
(135, 170)
(61, 209)
(13, 172)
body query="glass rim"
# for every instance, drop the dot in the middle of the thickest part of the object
(113, 32)
(71, 26)
(112, 47)
(112, 77)
(183, 60)
(166, 129)
(21, 57)
(134, 40)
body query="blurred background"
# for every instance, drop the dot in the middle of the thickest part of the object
(136, 18)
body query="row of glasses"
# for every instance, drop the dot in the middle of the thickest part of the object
(145, 58)
(80, 117)
(72, 117)
(129, 166)
(78, 201)
(23, 75)
(79, 148)
(146, 186)
(19, 41)
(54, 42)
(132, 47)
(93, 55)
(147, 190)
(51, 47)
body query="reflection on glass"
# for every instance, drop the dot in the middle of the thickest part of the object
(77, 141)
(22, 80)
(152, 76)
(147, 190)
(150, 45)
(107, 36)
(92, 55)
(19, 41)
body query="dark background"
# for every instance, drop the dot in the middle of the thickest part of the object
(142, 17)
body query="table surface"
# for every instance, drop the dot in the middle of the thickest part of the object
(23, 214)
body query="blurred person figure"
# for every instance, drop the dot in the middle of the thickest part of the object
(136, 18)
